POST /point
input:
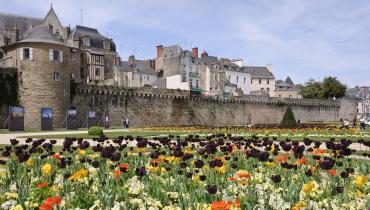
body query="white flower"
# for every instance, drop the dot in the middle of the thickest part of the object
(8, 204)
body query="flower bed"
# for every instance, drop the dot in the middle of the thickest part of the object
(212, 172)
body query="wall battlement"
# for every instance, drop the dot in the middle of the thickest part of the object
(162, 107)
(181, 94)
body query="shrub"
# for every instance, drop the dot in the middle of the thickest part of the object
(95, 131)
(288, 120)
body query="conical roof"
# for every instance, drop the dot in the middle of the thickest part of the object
(289, 81)
(40, 34)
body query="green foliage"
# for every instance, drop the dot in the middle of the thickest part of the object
(9, 89)
(328, 88)
(95, 131)
(332, 87)
(288, 120)
(83, 200)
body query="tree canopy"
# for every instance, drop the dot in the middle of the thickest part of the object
(328, 88)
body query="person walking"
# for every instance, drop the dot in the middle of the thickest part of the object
(126, 123)
(346, 123)
(362, 123)
(354, 124)
(341, 123)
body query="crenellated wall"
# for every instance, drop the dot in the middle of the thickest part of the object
(160, 107)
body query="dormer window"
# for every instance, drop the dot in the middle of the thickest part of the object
(51, 28)
(106, 45)
(86, 41)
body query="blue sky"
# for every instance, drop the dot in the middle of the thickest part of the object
(300, 38)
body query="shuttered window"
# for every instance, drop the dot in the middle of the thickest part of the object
(55, 55)
(26, 54)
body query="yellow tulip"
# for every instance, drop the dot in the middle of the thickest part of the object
(308, 187)
(361, 180)
(46, 169)
(30, 162)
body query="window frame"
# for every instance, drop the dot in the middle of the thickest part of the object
(56, 76)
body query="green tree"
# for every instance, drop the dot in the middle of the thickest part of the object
(332, 87)
(288, 120)
(312, 89)
(328, 88)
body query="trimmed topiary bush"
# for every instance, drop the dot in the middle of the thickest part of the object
(95, 131)
(288, 120)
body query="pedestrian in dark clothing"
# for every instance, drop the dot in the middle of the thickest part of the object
(354, 125)
(126, 123)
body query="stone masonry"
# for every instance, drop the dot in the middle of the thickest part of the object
(154, 108)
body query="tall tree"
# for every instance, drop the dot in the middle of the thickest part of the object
(332, 87)
(312, 89)
(328, 88)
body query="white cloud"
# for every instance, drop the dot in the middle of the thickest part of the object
(300, 38)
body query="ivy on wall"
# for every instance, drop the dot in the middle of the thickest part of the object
(8, 89)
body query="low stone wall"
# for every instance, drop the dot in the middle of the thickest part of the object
(158, 107)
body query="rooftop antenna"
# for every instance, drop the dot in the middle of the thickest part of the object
(81, 17)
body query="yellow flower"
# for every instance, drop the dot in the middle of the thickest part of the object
(220, 169)
(46, 169)
(9, 195)
(196, 178)
(361, 180)
(308, 187)
(78, 175)
(140, 150)
(82, 152)
(152, 168)
(95, 155)
(17, 207)
(30, 162)
(270, 164)
(299, 205)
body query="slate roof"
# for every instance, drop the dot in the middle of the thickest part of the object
(289, 81)
(209, 60)
(258, 72)
(288, 85)
(139, 66)
(359, 92)
(40, 34)
(23, 23)
(96, 39)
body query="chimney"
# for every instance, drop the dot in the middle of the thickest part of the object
(15, 35)
(131, 58)
(204, 54)
(195, 52)
(269, 67)
(159, 51)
